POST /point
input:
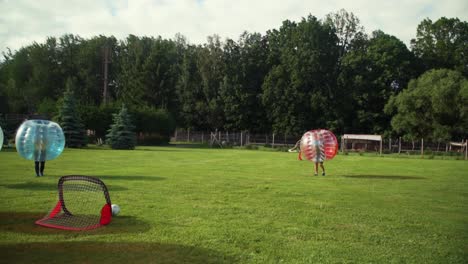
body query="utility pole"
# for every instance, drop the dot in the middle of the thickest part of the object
(106, 72)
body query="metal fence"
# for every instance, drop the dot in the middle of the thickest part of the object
(399, 145)
(233, 138)
(389, 145)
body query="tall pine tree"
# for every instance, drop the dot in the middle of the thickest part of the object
(121, 135)
(69, 119)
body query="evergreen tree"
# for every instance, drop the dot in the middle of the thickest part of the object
(121, 135)
(69, 118)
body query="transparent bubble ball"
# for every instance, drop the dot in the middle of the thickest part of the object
(319, 145)
(40, 140)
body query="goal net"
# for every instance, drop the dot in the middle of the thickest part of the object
(83, 203)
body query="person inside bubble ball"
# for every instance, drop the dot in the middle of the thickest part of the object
(319, 157)
(321, 166)
(40, 153)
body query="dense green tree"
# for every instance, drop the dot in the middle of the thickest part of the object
(192, 102)
(130, 82)
(304, 74)
(231, 90)
(44, 80)
(442, 44)
(211, 67)
(351, 38)
(121, 134)
(371, 73)
(69, 119)
(347, 28)
(299, 89)
(16, 74)
(281, 102)
(434, 106)
(245, 70)
(36, 74)
(198, 86)
(149, 69)
(161, 69)
(90, 74)
(69, 52)
(279, 98)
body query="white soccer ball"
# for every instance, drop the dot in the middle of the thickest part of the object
(115, 209)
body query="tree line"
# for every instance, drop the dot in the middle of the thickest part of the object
(313, 73)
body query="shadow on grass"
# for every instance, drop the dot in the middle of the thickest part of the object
(129, 177)
(46, 186)
(167, 148)
(191, 145)
(385, 177)
(24, 222)
(176, 147)
(157, 148)
(137, 148)
(102, 252)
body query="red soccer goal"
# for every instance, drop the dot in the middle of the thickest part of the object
(83, 204)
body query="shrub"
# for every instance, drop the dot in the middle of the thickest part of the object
(98, 118)
(251, 146)
(155, 125)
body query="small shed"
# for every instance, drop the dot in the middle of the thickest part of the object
(359, 141)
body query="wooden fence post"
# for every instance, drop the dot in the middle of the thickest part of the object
(342, 144)
(466, 149)
(422, 147)
(381, 140)
(399, 145)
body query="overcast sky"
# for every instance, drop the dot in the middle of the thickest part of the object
(24, 21)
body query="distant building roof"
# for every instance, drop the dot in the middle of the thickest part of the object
(363, 137)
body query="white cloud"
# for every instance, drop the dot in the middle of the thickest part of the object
(23, 22)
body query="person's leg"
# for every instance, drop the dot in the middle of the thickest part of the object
(36, 167)
(42, 168)
(323, 168)
(316, 169)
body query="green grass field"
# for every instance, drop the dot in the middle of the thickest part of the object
(191, 205)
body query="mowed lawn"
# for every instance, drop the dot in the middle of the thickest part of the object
(190, 205)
